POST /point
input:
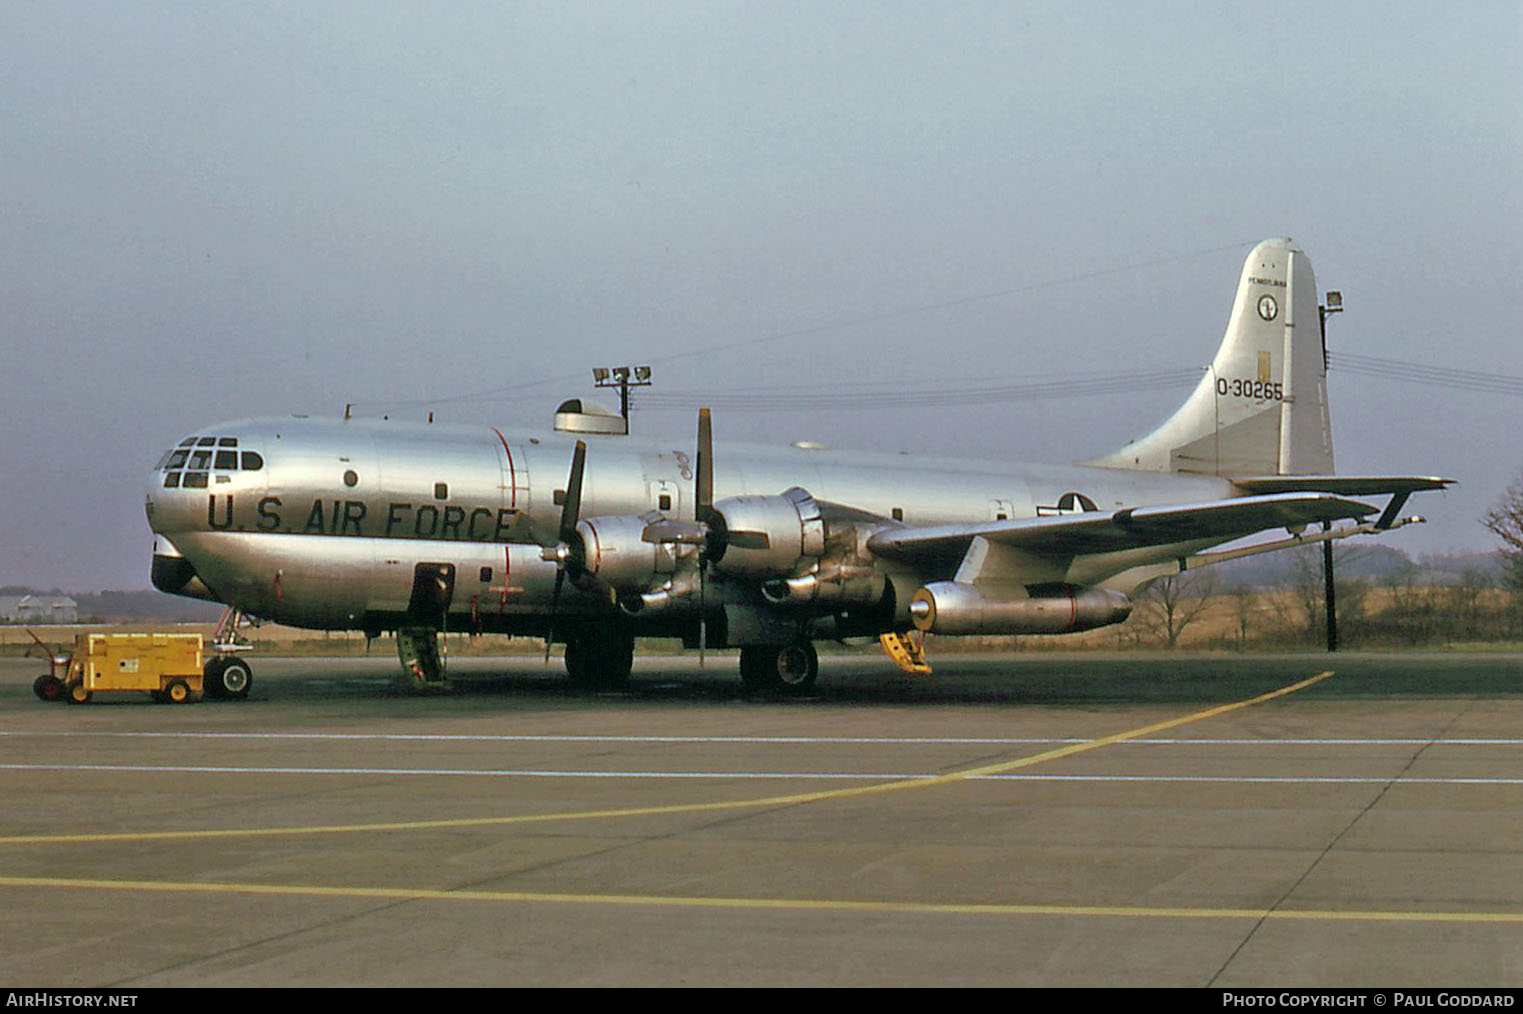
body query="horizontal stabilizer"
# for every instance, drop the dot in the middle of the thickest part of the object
(1345, 485)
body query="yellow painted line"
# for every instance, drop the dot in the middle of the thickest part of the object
(646, 811)
(775, 904)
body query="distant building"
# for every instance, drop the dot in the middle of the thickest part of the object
(38, 609)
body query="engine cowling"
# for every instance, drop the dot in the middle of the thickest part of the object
(951, 607)
(829, 584)
(766, 536)
(611, 549)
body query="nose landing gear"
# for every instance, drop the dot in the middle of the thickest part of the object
(226, 676)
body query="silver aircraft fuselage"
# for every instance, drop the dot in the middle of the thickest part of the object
(323, 523)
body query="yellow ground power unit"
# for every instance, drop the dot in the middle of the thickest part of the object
(165, 666)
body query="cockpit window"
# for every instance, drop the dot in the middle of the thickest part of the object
(171, 480)
(177, 458)
(252, 462)
(195, 480)
(201, 459)
(227, 441)
(227, 459)
(205, 441)
(188, 442)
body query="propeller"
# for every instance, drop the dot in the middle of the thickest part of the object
(703, 514)
(706, 530)
(565, 550)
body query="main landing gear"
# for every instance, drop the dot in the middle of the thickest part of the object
(599, 658)
(786, 669)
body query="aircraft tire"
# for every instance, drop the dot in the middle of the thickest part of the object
(600, 659)
(211, 676)
(787, 670)
(755, 660)
(576, 663)
(228, 679)
(615, 660)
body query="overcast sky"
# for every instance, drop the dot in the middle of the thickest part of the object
(213, 211)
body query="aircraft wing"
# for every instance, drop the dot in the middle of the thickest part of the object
(1131, 528)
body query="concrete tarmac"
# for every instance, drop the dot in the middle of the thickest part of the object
(1027, 819)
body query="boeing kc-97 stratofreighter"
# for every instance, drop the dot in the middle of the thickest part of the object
(592, 538)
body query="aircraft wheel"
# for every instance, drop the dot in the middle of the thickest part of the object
(211, 675)
(797, 666)
(755, 665)
(228, 678)
(177, 692)
(47, 687)
(614, 659)
(791, 669)
(576, 662)
(599, 659)
(78, 694)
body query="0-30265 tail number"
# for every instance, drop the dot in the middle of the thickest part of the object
(1258, 390)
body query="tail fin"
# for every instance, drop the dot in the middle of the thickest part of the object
(1261, 409)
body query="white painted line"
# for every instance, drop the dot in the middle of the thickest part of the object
(738, 775)
(820, 740)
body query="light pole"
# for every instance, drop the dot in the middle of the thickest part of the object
(622, 377)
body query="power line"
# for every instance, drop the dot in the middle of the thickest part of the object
(898, 394)
(497, 393)
(1418, 373)
(902, 395)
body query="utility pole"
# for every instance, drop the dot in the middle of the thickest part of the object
(1329, 593)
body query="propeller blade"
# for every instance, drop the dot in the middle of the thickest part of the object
(706, 518)
(703, 493)
(572, 508)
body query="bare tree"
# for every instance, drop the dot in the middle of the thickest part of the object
(1303, 603)
(1245, 605)
(1172, 603)
(1506, 522)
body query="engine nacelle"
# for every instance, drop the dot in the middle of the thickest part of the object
(767, 536)
(678, 595)
(613, 551)
(830, 584)
(950, 607)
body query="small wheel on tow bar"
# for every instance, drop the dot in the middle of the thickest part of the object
(48, 687)
(227, 679)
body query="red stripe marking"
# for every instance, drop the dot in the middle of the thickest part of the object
(512, 471)
(507, 578)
